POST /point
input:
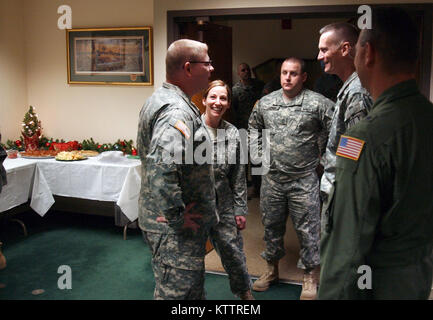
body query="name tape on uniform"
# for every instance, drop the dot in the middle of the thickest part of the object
(350, 147)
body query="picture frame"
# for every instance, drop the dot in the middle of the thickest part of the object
(110, 56)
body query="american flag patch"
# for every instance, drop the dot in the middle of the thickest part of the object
(350, 147)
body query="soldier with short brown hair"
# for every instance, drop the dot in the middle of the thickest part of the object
(298, 121)
(177, 198)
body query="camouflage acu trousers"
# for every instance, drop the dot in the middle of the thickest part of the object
(298, 198)
(228, 243)
(178, 265)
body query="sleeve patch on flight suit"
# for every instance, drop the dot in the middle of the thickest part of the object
(183, 128)
(350, 147)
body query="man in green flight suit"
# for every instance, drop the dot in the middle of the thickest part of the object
(378, 239)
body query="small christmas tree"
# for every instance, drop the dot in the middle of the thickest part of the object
(31, 124)
(31, 130)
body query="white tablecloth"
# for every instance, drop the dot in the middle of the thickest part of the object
(19, 177)
(117, 181)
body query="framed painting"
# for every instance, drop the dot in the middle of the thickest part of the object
(120, 56)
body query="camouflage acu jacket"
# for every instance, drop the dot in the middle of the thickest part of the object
(298, 130)
(169, 130)
(244, 98)
(229, 171)
(353, 104)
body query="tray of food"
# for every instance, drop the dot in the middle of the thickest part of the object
(38, 154)
(70, 156)
(89, 153)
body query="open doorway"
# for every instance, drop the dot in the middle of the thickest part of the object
(257, 33)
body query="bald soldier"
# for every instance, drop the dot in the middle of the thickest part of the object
(177, 197)
(378, 237)
(245, 94)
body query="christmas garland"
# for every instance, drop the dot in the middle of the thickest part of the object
(31, 127)
(125, 146)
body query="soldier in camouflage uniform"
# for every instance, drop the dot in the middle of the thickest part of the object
(231, 189)
(246, 92)
(336, 51)
(177, 198)
(298, 120)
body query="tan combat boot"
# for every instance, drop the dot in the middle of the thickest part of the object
(268, 278)
(309, 286)
(247, 295)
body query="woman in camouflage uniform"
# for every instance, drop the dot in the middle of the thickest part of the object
(231, 188)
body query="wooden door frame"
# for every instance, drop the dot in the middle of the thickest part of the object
(323, 11)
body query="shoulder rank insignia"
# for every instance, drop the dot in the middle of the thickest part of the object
(350, 147)
(256, 103)
(183, 128)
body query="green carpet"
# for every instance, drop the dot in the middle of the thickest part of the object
(104, 266)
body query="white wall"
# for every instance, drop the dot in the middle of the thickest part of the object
(271, 41)
(104, 112)
(13, 84)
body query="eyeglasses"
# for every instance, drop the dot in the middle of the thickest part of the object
(206, 63)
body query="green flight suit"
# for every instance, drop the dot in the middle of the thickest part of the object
(381, 213)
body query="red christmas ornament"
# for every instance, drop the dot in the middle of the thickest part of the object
(134, 152)
(47, 144)
(18, 143)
